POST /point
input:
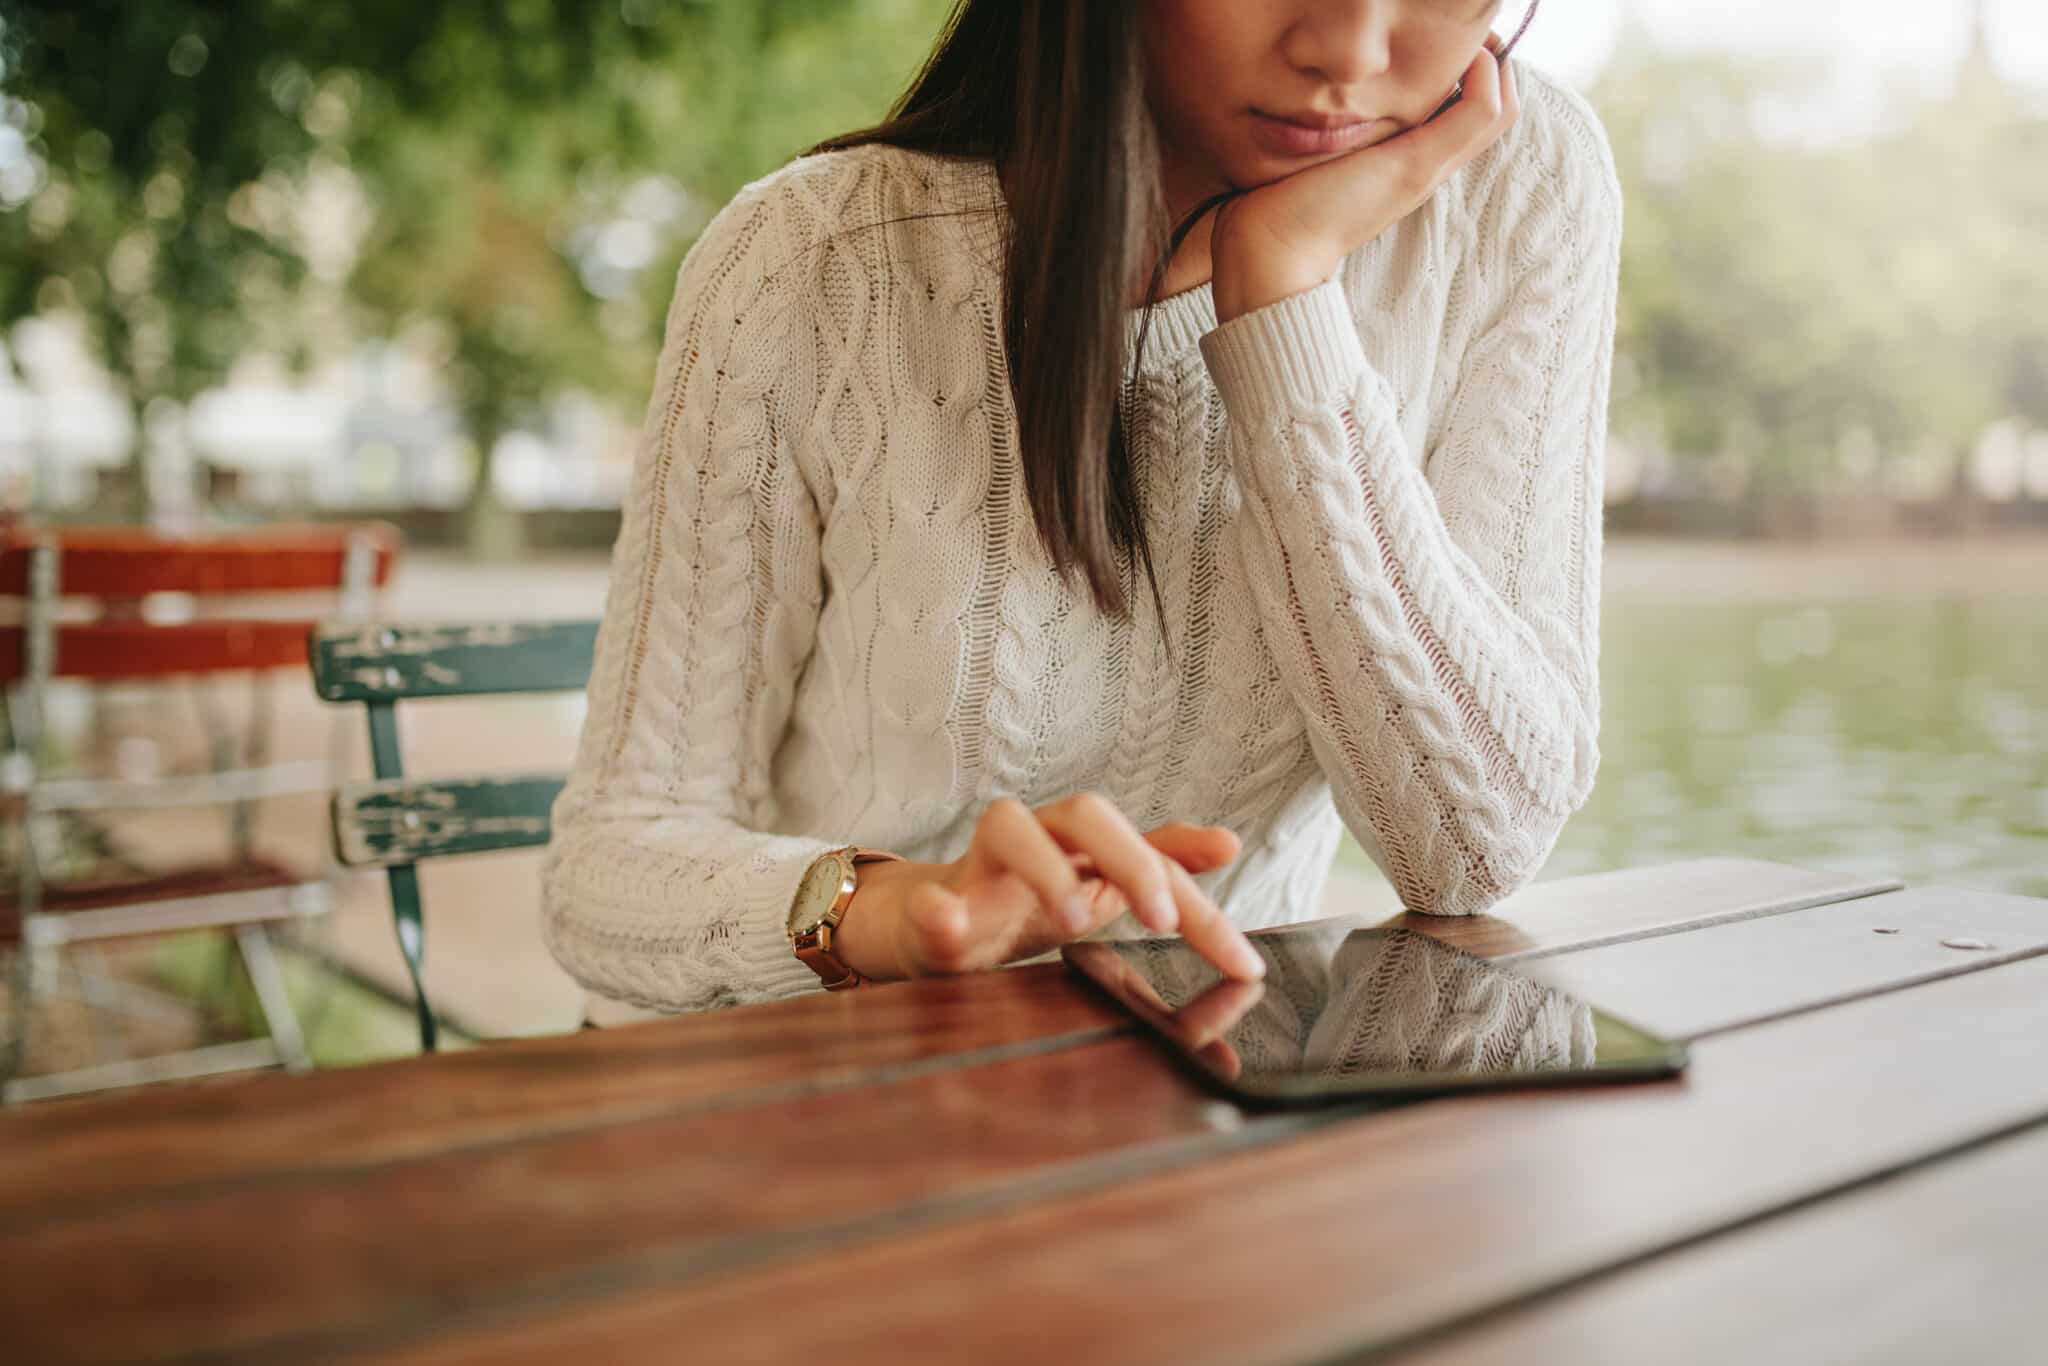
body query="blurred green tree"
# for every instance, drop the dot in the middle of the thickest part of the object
(528, 172)
(1778, 293)
(179, 147)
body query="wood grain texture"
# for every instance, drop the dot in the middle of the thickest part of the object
(131, 562)
(1637, 903)
(1365, 1235)
(141, 649)
(1941, 1264)
(577, 1171)
(94, 1151)
(291, 1266)
(1750, 970)
(122, 1146)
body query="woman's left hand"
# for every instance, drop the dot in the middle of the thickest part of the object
(1289, 235)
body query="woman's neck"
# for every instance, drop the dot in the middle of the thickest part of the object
(1191, 266)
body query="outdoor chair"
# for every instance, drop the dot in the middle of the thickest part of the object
(127, 607)
(395, 822)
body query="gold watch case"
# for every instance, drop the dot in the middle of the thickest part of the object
(820, 902)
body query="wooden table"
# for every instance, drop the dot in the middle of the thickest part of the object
(997, 1169)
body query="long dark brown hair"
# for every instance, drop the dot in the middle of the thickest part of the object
(1053, 92)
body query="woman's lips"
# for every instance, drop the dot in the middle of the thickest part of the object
(1290, 138)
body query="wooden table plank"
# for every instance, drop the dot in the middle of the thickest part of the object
(66, 1154)
(288, 1262)
(109, 1148)
(1751, 970)
(323, 1252)
(1944, 1263)
(1636, 903)
(1365, 1235)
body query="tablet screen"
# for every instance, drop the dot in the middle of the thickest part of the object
(1346, 1009)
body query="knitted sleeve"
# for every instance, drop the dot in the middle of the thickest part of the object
(659, 886)
(1439, 617)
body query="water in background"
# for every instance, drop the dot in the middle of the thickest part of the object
(1899, 734)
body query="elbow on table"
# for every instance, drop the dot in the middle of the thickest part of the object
(587, 927)
(1459, 890)
(560, 899)
(593, 919)
(1500, 853)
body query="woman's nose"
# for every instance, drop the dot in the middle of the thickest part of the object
(1343, 41)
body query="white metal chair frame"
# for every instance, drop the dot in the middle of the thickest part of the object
(44, 802)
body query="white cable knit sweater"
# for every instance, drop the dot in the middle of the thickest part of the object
(1375, 511)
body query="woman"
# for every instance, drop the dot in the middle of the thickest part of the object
(879, 690)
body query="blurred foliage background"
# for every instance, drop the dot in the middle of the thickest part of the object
(1806, 319)
(504, 185)
(498, 191)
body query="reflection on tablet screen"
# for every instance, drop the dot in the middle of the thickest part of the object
(1345, 1009)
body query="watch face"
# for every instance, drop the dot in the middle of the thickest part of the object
(814, 895)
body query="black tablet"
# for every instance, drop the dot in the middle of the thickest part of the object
(1347, 1010)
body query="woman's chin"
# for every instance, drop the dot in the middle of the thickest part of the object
(1258, 168)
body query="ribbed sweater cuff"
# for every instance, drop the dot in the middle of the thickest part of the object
(771, 965)
(1300, 352)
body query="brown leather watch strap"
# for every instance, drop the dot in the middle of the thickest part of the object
(817, 952)
(861, 855)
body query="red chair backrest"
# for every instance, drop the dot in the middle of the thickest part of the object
(120, 566)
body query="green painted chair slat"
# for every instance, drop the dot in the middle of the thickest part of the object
(409, 819)
(395, 822)
(389, 663)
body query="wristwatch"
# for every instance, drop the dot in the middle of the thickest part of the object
(821, 898)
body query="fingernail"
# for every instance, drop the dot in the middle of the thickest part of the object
(1165, 913)
(1077, 912)
(1250, 965)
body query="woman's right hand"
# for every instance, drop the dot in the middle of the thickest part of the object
(1289, 235)
(1032, 880)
